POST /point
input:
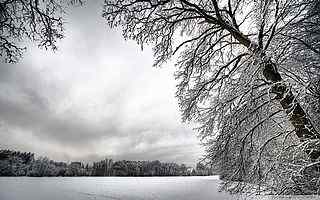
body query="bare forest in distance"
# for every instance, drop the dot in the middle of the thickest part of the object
(16, 163)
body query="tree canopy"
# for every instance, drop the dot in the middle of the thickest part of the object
(246, 71)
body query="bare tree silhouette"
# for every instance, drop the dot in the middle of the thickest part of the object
(40, 21)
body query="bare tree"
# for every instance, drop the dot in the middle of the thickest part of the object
(40, 21)
(236, 75)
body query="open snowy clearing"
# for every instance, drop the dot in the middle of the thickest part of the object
(117, 188)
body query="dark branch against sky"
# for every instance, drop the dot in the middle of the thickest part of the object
(97, 96)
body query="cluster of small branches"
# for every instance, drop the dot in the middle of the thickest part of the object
(40, 21)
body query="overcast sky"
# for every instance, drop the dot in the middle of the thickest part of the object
(97, 96)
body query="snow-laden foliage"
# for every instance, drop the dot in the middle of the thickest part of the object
(247, 73)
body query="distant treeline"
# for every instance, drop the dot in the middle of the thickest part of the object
(15, 163)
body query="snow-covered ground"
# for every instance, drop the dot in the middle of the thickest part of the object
(115, 188)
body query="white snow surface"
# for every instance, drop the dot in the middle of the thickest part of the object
(119, 188)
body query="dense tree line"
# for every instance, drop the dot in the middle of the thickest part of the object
(15, 163)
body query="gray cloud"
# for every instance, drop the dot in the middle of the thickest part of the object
(97, 96)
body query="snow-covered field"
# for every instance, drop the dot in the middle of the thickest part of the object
(115, 188)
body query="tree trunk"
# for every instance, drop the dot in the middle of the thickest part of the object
(296, 115)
